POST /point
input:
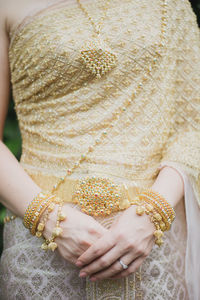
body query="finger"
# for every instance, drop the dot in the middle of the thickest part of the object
(126, 260)
(102, 245)
(131, 268)
(103, 261)
(134, 263)
(113, 269)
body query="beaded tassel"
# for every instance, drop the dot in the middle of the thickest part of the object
(50, 244)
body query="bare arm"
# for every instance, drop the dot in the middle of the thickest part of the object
(17, 189)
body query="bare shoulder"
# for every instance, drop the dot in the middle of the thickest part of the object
(9, 12)
(13, 12)
(3, 13)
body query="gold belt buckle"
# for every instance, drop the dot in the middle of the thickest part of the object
(99, 196)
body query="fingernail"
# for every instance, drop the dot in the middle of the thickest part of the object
(82, 274)
(93, 278)
(79, 263)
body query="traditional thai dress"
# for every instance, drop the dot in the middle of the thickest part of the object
(62, 108)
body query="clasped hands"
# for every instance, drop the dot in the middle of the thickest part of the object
(130, 239)
(96, 250)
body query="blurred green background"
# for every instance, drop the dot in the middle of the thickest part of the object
(12, 137)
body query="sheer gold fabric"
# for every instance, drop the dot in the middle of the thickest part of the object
(62, 109)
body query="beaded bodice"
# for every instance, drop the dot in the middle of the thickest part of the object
(62, 108)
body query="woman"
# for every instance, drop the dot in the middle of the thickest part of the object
(137, 124)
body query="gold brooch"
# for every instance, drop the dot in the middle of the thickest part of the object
(97, 196)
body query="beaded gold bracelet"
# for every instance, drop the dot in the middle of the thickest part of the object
(149, 205)
(44, 219)
(9, 218)
(39, 212)
(35, 210)
(29, 213)
(160, 203)
(155, 218)
(57, 231)
(164, 223)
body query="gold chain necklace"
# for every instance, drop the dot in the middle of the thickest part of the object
(120, 110)
(96, 55)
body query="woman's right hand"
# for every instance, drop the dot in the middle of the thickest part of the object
(80, 231)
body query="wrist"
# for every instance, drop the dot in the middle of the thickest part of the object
(50, 223)
(161, 213)
(169, 183)
(144, 217)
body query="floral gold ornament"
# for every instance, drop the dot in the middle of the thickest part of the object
(97, 196)
(96, 54)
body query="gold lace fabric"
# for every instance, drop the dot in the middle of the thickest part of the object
(62, 108)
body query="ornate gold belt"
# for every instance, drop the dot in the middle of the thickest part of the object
(100, 196)
(94, 195)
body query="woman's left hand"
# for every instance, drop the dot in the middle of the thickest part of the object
(130, 239)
